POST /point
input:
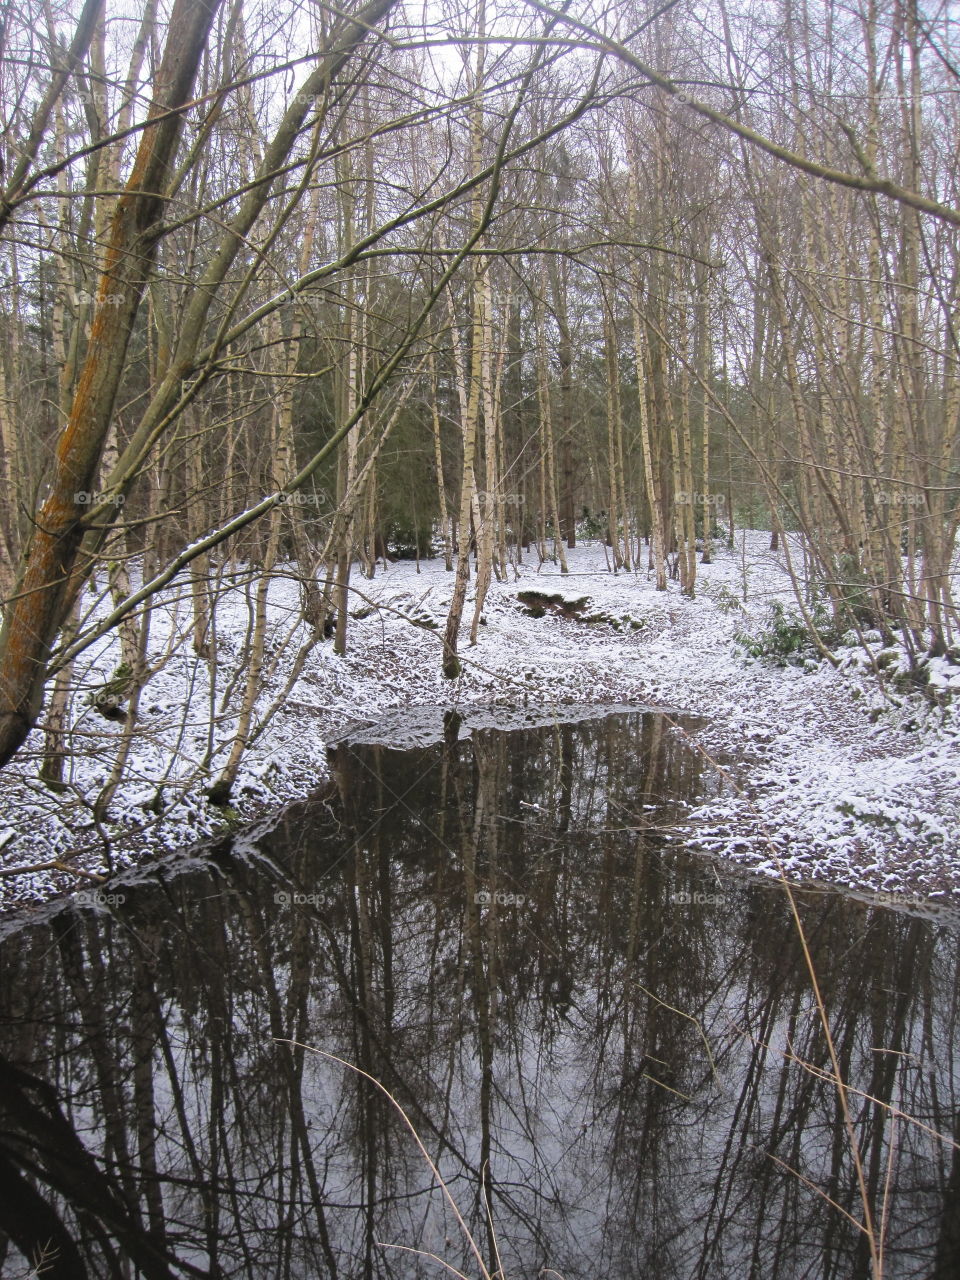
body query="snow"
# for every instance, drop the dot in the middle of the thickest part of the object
(829, 775)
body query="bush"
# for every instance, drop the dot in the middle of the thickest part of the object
(591, 527)
(406, 540)
(786, 640)
(752, 513)
(725, 600)
(855, 596)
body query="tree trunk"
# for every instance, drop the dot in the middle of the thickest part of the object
(32, 621)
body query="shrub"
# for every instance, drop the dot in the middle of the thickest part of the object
(725, 599)
(786, 640)
(854, 588)
(590, 526)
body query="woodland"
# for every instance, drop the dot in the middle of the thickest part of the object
(292, 293)
(470, 474)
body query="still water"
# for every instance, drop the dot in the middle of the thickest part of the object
(609, 1049)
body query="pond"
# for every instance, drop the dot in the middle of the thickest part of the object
(609, 1049)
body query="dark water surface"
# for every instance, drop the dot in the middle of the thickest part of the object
(606, 1041)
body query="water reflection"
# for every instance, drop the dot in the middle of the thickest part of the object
(609, 1051)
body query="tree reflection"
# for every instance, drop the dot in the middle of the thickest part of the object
(611, 1054)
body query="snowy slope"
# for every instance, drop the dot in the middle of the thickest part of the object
(828, 780)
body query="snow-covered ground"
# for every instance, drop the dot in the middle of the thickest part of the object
(828, 779)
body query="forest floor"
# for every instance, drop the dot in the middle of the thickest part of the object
(832, 777)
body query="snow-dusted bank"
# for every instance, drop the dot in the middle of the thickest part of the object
(832, 775)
